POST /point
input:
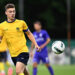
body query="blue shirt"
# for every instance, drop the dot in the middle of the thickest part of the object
(41, 38)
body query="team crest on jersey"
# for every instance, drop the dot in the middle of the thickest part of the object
(17, 28)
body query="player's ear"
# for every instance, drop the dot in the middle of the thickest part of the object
(5, 12)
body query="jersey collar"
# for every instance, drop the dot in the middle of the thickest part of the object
(12, 21)
(39, 31)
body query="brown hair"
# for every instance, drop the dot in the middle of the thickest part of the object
(10, 5)
(38, 22)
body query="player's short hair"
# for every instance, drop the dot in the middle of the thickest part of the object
(10, 5)
(38, 22)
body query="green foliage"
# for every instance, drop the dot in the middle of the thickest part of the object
(48, 16)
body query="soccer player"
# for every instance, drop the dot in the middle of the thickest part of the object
(42, 38)
(3, 58)
(13, 31)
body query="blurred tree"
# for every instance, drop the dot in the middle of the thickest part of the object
(53, 13)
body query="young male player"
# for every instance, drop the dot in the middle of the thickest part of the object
(13, 30)
(42, 38)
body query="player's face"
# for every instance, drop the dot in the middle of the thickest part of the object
(10, 13)
(37, 27)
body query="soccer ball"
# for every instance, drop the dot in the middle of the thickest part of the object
(58, 47)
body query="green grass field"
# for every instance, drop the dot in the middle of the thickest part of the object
(59, 70)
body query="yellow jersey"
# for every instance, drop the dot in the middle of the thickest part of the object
(3, 45)
(15, 38)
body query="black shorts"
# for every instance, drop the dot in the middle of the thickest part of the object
(3, 56)
(22, 57)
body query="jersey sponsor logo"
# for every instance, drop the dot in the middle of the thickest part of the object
(40, 39)
(40, 35)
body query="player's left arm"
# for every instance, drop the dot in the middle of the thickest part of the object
(30, 35)
(47, 40)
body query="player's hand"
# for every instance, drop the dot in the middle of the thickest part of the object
(38, 48)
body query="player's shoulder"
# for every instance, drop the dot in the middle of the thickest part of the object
(2, 22)
(18, 20)
(43, 30)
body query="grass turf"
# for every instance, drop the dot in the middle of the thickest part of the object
(58, 70)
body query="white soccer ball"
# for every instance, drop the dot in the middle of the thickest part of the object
(58, 47)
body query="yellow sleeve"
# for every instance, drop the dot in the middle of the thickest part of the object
(1, 31)
(25, 27)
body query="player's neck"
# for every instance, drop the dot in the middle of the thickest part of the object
(38, 30)
(10, 20)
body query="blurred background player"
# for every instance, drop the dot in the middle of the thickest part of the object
(3, 58)
(42, 38)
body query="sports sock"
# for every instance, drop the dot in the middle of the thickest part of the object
(51, 70)
(34, 71)
(21, 74)
(1, 66)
